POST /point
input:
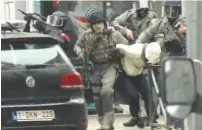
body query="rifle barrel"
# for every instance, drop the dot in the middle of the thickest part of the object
(35, 18)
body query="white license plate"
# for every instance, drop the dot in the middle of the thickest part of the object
(38, 115)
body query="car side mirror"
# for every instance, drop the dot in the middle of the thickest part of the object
(179, 82)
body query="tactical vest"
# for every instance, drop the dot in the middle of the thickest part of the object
(169, 32)
(137, 24)
(100, 48)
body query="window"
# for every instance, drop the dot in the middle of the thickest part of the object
(32, 52)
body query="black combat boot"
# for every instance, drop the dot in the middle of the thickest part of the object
(132, 122)
(144, 122)
(111, 128)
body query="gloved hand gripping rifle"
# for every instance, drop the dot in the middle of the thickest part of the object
(53, 31)
(88, 66)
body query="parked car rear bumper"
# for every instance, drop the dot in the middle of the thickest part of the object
(46, 127)
(71, 114)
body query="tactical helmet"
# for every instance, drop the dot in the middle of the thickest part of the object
(57, 19)
(172, 9)
(95, 15)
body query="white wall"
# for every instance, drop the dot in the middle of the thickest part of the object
(192, 10)
(9, 9)
(144, 3)
(2, 10)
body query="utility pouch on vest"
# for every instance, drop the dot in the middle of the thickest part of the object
(99, 56)
(104, 56)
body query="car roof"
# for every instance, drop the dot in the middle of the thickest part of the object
(14, 35)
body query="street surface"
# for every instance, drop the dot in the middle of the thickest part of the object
(119, 120)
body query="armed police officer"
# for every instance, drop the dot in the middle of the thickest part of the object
(60, 22)
(169, 31)
(99, 42)
(63, 22)
(133, 22)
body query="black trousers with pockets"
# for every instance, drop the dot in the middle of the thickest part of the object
(140, 84)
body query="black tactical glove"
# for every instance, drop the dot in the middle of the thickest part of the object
(27, 18)
(40, 27)
(141, 12)
(27, 26)
(114, 54)
(173, 45)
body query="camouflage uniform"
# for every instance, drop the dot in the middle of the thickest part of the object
(104, 75)
(161, 30)
(130, 20)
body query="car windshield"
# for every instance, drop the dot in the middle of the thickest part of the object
(32, 52)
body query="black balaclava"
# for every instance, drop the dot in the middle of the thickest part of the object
(142, 12)
(172, 11)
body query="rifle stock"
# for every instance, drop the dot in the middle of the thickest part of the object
(53, 31)
(87, 66)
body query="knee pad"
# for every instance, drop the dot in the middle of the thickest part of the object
(106, 91)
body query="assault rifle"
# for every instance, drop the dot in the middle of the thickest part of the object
(88, 66)
(49, 29)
